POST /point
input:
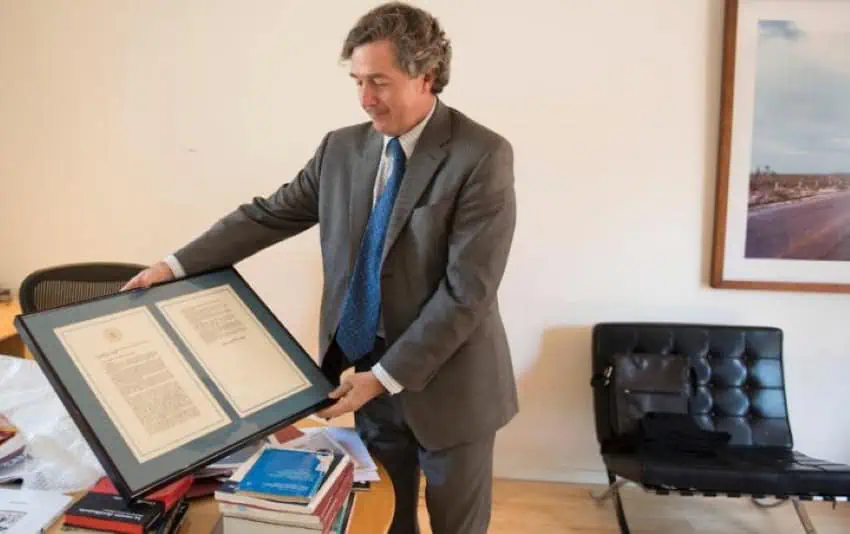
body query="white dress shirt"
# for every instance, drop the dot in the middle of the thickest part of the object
(408, 143)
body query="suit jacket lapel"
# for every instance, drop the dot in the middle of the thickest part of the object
(362, 191)
(420, 170)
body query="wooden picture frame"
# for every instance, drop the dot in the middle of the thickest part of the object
(782, 204)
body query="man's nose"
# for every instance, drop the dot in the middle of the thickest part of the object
(367, 97)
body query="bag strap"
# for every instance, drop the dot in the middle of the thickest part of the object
(604, 379)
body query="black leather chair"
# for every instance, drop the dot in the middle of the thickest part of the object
(67, 284)
(737, 387)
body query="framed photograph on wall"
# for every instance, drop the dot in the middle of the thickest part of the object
(782, 214)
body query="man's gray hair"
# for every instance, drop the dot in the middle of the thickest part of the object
(420, 43)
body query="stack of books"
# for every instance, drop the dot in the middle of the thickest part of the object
(282, 490)
(102, 509)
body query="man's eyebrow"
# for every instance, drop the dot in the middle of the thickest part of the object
(368, 76)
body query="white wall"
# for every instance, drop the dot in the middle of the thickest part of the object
(127, 127)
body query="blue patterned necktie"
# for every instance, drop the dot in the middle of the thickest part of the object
(358, 325)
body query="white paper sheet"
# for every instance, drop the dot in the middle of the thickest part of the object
(29, 511)
(343, 440)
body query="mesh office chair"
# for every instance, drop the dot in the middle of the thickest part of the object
(71, 283)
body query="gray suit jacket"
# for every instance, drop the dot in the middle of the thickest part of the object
(446, 248)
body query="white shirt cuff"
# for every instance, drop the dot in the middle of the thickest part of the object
(386, 380)
(175, 266)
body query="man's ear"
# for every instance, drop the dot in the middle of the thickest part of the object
(427, 82)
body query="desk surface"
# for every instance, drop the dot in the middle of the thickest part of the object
(8, 311)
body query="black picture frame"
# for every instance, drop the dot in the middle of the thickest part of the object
(134, 478)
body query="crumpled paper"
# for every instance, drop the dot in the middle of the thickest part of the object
(58, 458)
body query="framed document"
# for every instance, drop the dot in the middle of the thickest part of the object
(165, 380)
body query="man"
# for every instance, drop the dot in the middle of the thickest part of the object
(416, 212)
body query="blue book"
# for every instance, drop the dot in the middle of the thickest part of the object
(286, 475)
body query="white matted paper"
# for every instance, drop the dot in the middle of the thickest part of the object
(238, 354)
(149, 390)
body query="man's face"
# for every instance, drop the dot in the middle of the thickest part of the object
(394, 101)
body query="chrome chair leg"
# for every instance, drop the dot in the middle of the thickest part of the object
(608, 491)
(803, 515)
(613, 490)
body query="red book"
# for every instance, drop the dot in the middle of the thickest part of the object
(287, 433)
(102, 508)
(168, 495)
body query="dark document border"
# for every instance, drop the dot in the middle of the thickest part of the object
(132, 478)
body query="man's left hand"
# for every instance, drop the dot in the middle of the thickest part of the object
(354, 391)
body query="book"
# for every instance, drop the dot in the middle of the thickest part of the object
(287, 475)
(343, 441)
(103, 508)
(168, 524)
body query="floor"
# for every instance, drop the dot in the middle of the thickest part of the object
(552, 508)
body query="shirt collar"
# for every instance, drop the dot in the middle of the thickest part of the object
(409, 139)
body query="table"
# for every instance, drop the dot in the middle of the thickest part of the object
(10, 341)
(373, 509)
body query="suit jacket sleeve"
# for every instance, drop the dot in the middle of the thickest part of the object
(258, 224)
(479, 243)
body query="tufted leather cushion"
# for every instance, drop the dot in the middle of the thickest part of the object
(738, 370)
(739, 388)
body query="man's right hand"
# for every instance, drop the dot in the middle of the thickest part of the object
(156, 273)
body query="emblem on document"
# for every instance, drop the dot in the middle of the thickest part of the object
(112, 335)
